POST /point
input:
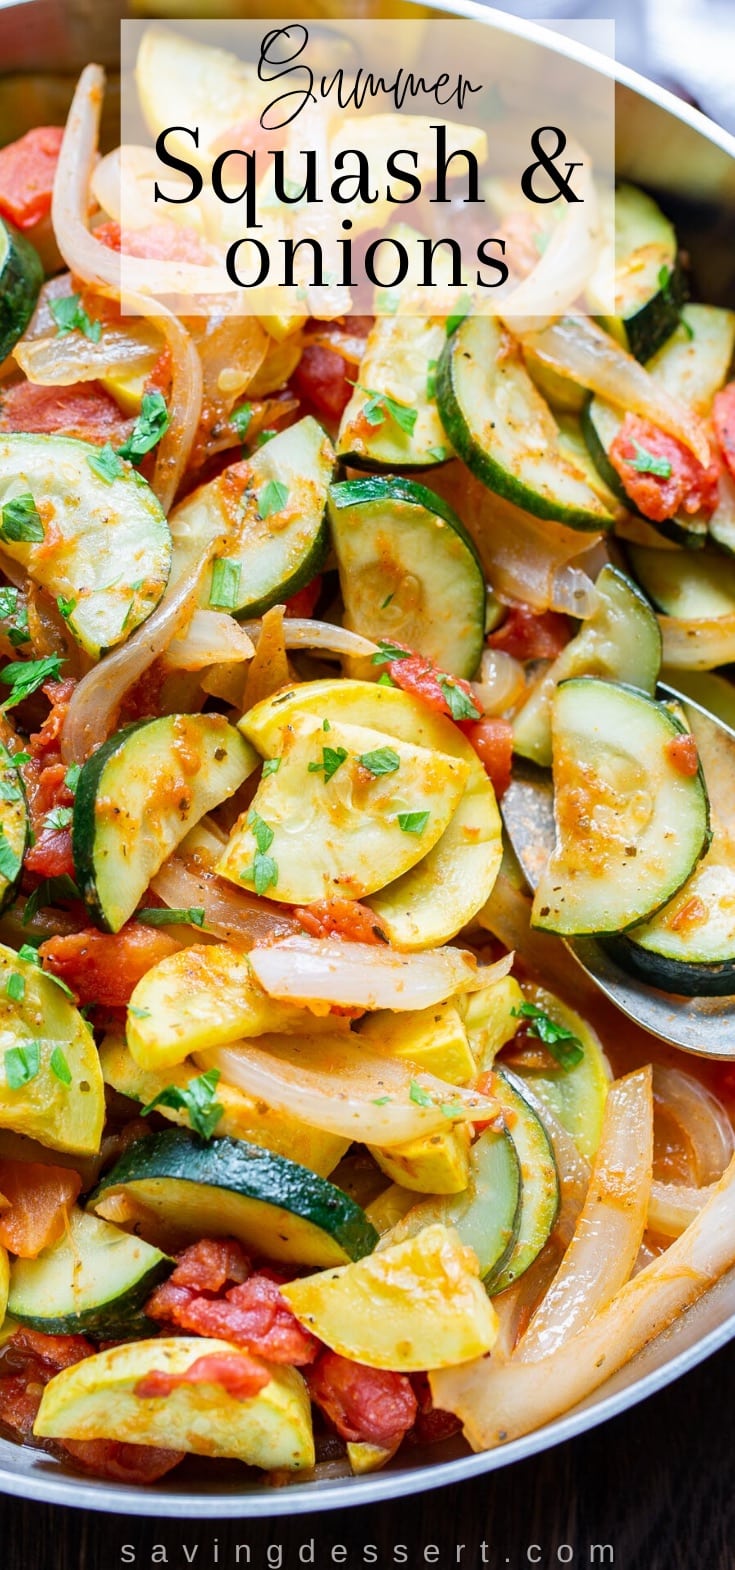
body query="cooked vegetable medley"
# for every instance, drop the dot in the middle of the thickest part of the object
(304, 1107)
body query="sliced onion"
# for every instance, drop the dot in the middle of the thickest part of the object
(498, 1401)
(359, 975)
(96, 264)
(211, 638)
(559, 277)
(609, 1232)
(672, 1206)
(336, 1085)
(573, 1169)
(577, 348)
(301, 633)
(91, 714)
(699, 645)
(63, 361)
(702, 1117)
(573, 592)
(501, 682)
(230, 913)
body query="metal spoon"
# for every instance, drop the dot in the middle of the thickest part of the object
(702, 1025)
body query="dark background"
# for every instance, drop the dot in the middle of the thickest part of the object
(657, 1485)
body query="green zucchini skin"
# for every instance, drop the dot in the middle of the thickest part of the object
(650, 327)
(107, 1293)
(687, 980)
(648, 307)
(250, 1173)
(14, 824)
(391, 532)
(474, 412)
(21, 276)
(540, 1199)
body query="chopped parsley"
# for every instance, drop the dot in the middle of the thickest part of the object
(380, 1101)
(15, 987)
(49, 892)
(10, 791)
(225, 589)
(271, 766)
(413, 822)
(332, 760)
(21, 520)
(380, 407)
(162, 916)
(66, 608)
(106, 464)
(58, 818)
(649, 462)
(418, 1095)
(272, 497)
(138, 1013)
(26, 676)
(71, 778)
(240, 418)
(457, 317)
(150, 425)
(197, 1099)
(386, 602)
(9, 861)
(387, 652)
(70, 316)
(384, 760)
(461, 706)
(263, 437)
(15, 615)
(562, 1043)
(431, 378)
(264, 872)
(22, 1064)
(59, 1066)
(438, 454)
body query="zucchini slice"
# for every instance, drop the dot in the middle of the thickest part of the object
(630, 826)
(348, 832)
(409, 571)
(693, 588)
(269, 511)
(620, 641)
(139, 795)
(442, 893)
(576, 1095)
(486, 1215)
(400, 360)
(93, 1282)
(688, 947)
(96, 1399)
(539, 1205)
(504, 431)
(21, 276)
(231, 1189)
(106, 546)
(14, 827)
(51, 1085)
(649, 284)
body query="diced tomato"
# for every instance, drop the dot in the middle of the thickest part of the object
(369, 1404)
(39, 1200)
(531, 635)
(27, 170)
(492, 739)
(54, 1352)
(682, 753)
(51, 855)
(323, 380)
(85, 411)
(211, 1264)
(418, 675)
(303, 603)
(238, 1374)
(46, 741)
(684, 485)
(159, 379)
(251, 137)
(432, 1424)
(340, 918)
(251, 1314)
(104, 967)
(44, 778)
(723, 411)
(119, 1462)
(164, 241)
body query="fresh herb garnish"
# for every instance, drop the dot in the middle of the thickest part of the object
(15, 987)
(649, 462)
(9, 861)
(387, 652)
(381, 1101)
(384, 760)
(22, 1064)
(49, 892)
(150, 425)
(461, 707)
(21, 520)
(271, 766)
(59, 1066)
(264, 872)
(65, 607)
(561, 1042)
(15, 615)
(417, 1094)
(264, 437)
(380, 407)
(106, 464)
(457, 317)
(71, 778)
(162, 916)
(26, 676)
(438, 454)
(272, 498)
(197, 1099)
(58, 818)
(332, 760)
(225, 589)
(413, 822)
(138, 1013)
(10, 791)
(70, 316)
(240, 418)
(431, 378)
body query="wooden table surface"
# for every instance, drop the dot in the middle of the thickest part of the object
(656, 1488)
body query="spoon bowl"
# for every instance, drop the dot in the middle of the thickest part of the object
(704, 1026)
